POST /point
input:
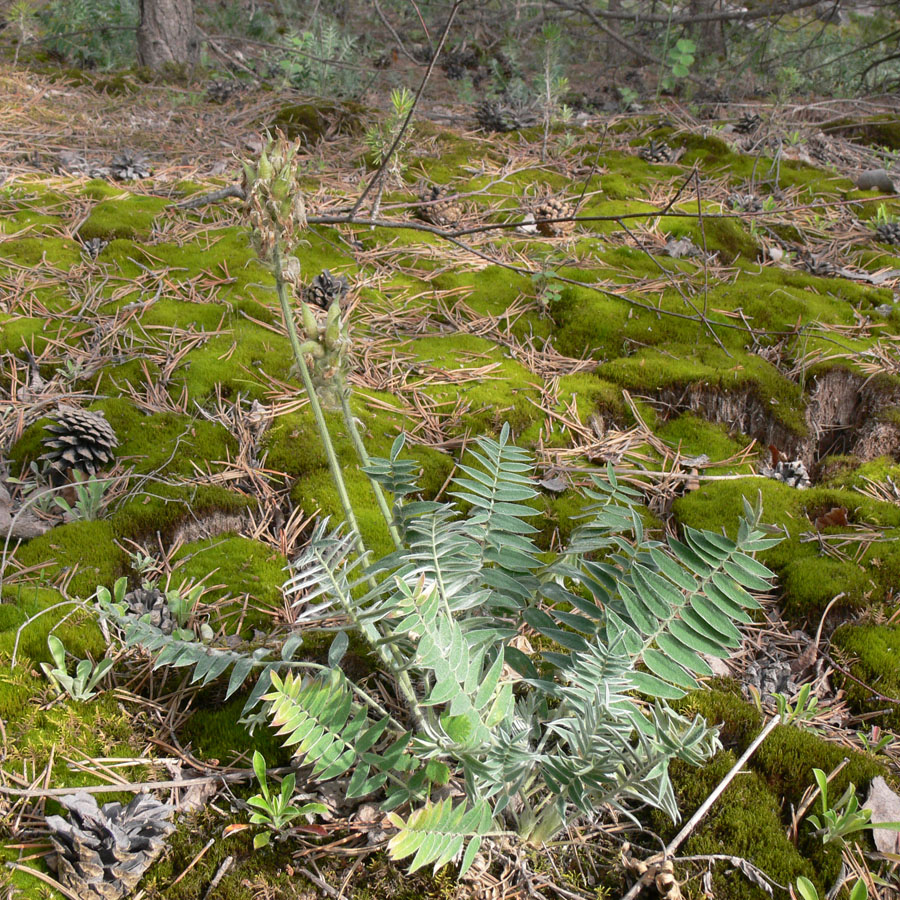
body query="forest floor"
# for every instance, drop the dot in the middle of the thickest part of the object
(720, 318)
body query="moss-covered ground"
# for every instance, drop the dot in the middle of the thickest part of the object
(594, 347)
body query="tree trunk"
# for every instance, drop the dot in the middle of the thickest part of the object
(167, 35)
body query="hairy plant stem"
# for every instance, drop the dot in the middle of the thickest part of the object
(333, 464)
(388, 655)
(363, 455)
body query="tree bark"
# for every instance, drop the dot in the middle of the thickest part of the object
(167, 35)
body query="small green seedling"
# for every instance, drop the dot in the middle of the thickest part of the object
(845, 818)
(275, 810)
(807, 890)
(89, 499)
(875, 741)
(803, 710)
(81, 686)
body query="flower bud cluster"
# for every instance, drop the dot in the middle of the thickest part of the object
(273, 199)
(327, 344)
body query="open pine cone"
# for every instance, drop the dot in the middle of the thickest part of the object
(325, 288)
(80, 439)
(221, 91)
(553, 208)
(499, 115)
(101, 853)
(130, 166)
(152, 601)
(656, 152)
(888, 233)
(747, 123)
(442, 213)
(745, 202)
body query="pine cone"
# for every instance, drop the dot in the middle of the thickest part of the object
(93, 247)
(101, 853)
(458, 61)
(745, 202)
(80, 440)
(656, 152)
(554, 208)
(439, 212)
(325, 288)
(815, 265)
(888, 233)
(130, 166)
(747, 123)
(152, 602)
(498, 115)
(221, 91)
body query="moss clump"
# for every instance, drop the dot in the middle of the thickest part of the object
(165, 507)
(745, 821)
(720, 703)
(809, 578)
(126, 216)
(877, 131)
(874, 651)
(87, 549)
(44, 610)
(311, 122)
(234, 567)
(692, 436)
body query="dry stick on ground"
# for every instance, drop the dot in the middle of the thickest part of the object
(376, 180)
(704, 807)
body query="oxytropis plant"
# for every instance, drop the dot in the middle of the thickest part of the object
(490, 736)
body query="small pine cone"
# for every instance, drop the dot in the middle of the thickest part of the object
(222, 91)
(442, 213)
(656, 152)
(815, 265)
(325, 288)
(130, 166)
(748, 123)
(888, 233)
(496, 115)
(745, 202)
(554, 208)
(93, 247)
(151, 602)
(101, 853)
(80, 440)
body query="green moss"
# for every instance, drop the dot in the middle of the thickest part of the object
(874, 651)
(720, 703)
(165, 443)
(311, 122)
(35, 252)
(501, 395)
(234, 568)
(87, 549)
(877, 131)
(20, 332)
(44, 609)
(808, 578)
(164, 507)
(125, 216)
(244, 360)
(692, 436)
(214, 733)
(747, 822)
(682, 365)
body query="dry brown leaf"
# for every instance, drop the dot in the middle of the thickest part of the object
(885, 806)
(837, 515)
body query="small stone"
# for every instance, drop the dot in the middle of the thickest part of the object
(876, 180)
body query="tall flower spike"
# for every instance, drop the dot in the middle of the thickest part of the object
(274, 203)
